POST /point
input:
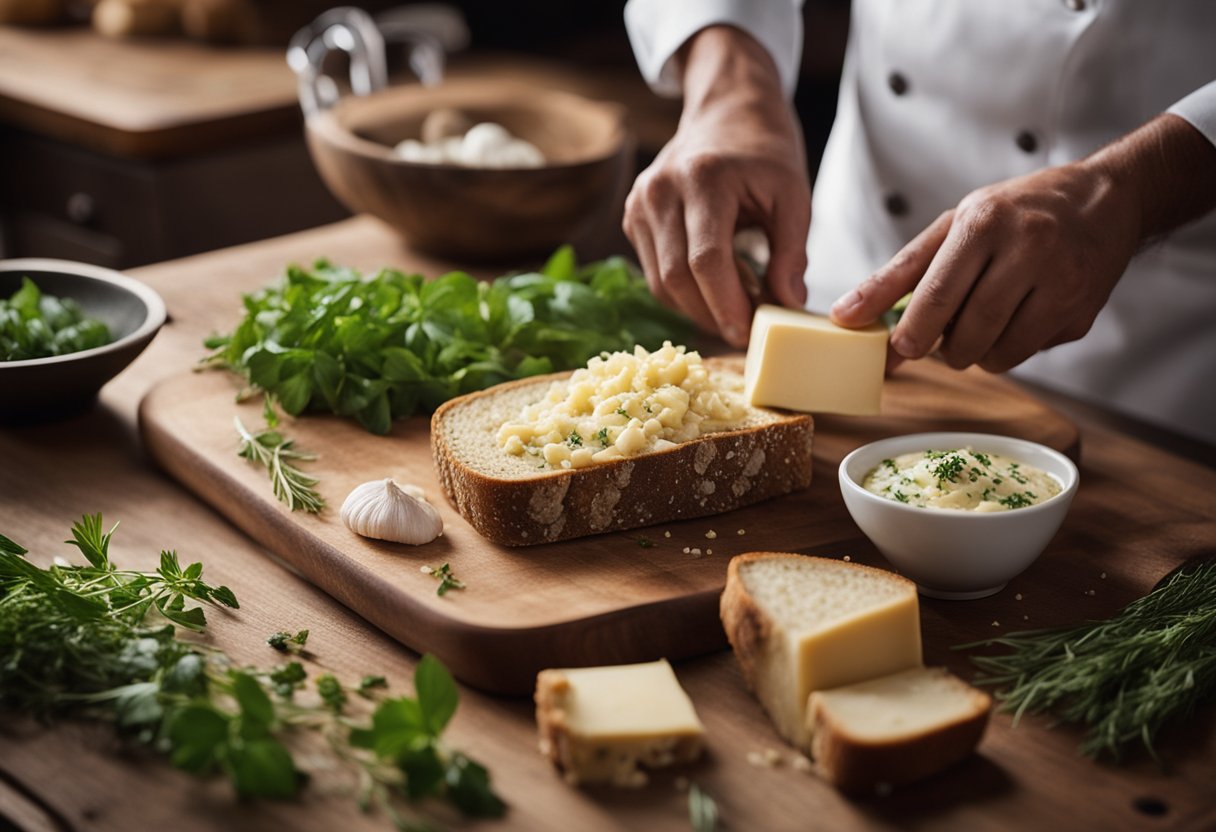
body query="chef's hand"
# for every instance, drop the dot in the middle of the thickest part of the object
(736, 160)
(1027, 264)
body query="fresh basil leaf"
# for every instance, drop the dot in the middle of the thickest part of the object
(437, 694)
(257, 711)
(263, 768)
(469, 788)
(197, 737)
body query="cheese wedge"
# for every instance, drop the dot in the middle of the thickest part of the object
(805, 362)
(603, 724)
(895, 729)
(800, 624)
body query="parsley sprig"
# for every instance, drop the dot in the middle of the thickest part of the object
(98, 641)
(385, 347)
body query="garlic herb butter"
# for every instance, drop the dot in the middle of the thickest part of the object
(620, 405)
(963, 479)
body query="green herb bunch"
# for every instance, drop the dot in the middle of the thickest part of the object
(101, 642)
(378, 349)
(36, 325)
(1124, 677)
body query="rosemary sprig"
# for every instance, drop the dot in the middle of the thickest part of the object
(274, 452)
(1124, 677)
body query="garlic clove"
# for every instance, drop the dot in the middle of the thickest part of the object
(383, 510)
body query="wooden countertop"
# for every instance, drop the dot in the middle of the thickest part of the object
(75, 776)
(163, 97)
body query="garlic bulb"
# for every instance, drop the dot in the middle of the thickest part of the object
(383, 510)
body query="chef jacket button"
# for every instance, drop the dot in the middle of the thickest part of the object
(1027, 142)
(1075, 5)
(896, 205)
(898, 83)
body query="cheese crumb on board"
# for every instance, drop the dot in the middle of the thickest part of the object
(805, 362)
(608, 724)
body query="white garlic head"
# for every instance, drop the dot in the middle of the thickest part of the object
(383, 510)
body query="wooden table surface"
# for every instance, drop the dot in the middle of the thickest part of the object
(162, 97)
(75, 776)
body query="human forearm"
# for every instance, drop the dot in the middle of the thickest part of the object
(1167, 169)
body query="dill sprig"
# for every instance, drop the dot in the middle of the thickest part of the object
(274, 452)
(1124, 677)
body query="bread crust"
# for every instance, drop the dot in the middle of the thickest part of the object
(712, 474)
(856, 766)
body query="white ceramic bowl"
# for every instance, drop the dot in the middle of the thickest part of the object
(953, 553)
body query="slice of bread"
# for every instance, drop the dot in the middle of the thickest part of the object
(799, 624)
(514, 502)
(895, 729)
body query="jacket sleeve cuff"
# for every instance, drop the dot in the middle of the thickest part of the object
(658, 28)
(1199, 108)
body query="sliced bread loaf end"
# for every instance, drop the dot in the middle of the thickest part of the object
(512, 501)
(895, 729)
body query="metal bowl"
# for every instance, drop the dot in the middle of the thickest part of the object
(41, 389)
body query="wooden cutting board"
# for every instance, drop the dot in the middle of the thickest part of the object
(614, 598)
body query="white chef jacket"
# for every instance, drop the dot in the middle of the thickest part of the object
(940, 97)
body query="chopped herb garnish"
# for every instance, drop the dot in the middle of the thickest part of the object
(574, 440)
(446, 579)
(34, 325)
(948, 469)
(983, 458)
(602, 437)
(1018, 500)
(620, 411)
(901, 496)
(288, 642)
(890, 463)
(975, 473)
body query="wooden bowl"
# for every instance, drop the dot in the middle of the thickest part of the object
(44, 389)
(483, 214)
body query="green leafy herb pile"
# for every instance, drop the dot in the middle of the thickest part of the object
(1124, 677)
(35, 325)
(102, 642)
(326, 339)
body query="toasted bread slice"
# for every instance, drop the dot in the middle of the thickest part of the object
(514, 502)
(895, 729)
(799, 624)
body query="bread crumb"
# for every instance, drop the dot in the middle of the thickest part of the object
(1018, 597)
(1103, 576)
(1025, 617)
(696, 551)
(686, 550)
(426, 570)
(755, 758)
(682, 784)
(847, 559)
(772, 757)
(996, 623)
(741, 532)
(666, 534)
(1090, 593)
(709, 551)
(711, 534)
(800, 762)
(768, 758)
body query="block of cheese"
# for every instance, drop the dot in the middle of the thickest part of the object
(604, 724)
(894, 729)
(799, 624)
(805, 362)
